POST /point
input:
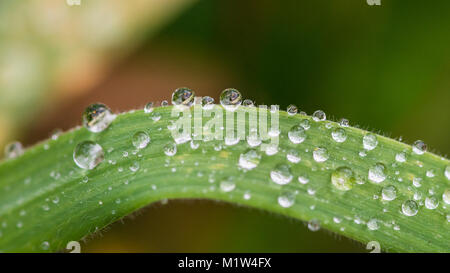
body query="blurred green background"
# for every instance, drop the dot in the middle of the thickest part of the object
(385, 68)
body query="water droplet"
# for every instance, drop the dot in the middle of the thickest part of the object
(286, 199)
(342, 178)
(13, 150)
(248, 103)
(419, 147)
(170, 149)
(140, 140)
(417, 182)
(372, 224)
(446, 196)
(431, 202)
(249, 159)
(370, 141)
(281, 174)
(431, 173)
(97, 117)
(320, 154)
(377, 173)
(339, 135)
(293, 156)
(344, 122)
(228, 184)
(134, 167)
(314, 225)
(319, 115)
(45, 245)
(164, 103)
(400, 157)
(389, 193)
(305, 123)
(156, 116)
(183, 96)
(253, 140)
(148, 107)
(447, 172)
(230, 99)
(297, 134)
(88, 154)
(292, 110)
(410, 208)
(303, 179)
(207, 103)
(56, 133)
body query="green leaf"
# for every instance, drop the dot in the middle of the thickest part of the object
(46, 200)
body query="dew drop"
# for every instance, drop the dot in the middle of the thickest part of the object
(431, 202)
(431, 173)
(297, 134)
(400, 157)
(446, 196)
(249, 159)
(13, 150)
(281, 174)
(303, 179)
(377, 173)
(314, 225)
(148, 107)
(389, 193)
(140, 140)
(319, 115)
(207, 103)
(419, 147)
(228, 184)
(370, 141)
(45, 245)
(410, 208)
(155, 117)
(248, 103)
(339, 135)
(447, 172)
(88, 154)
(372, 224)
(293, 156)
(97, 117)
(342, 178)
(286, 199)
(305, 123)
(183, 96)
(344, 122)
(320, 154)
(230, 99)
(292, 110)
(170, 149)
(164, 103)
(134, 167)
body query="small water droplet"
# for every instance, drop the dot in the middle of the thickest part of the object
(13, 150)
(45, 245)
(297, 134)
(293, 156)
(170, 149)
(319, 115)
(305, 123)
(164, 103)
(140, 140)
(88, 154)
(400, 157)
(303, 179)
(97, 117)
(230, 99)
(320, 154)
(419, 147)
(446, 196)
(314, 225)
(339, 135)
(228, 184)
(281, 174)
(207, 103)
(292, 110)
(344, 122)
(377, 173)
(249, 159)
(389, 193)
(417, 182)
(183, 96)
(372, 224)
(370, 141)
(134, 167)
(431, 202)
(447, 172)
(286, 199)
(248, 103)
(148, 107)
(431, 173)
(342, 178)
(410, 208)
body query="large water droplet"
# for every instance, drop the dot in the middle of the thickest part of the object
(319, 115)
(140, 140)
(13, 150)
(286, 199)
(320, 154)
(370, 141)
(419, 147)
(97, 117)
(88, 154)
(183, 96)
(297, 134)
(377, 173)
(281, 174)
(342, 178)
(410, 208)
(228, 184)
(230, 99)
(339, 135)
(249, 159)
(389, 193)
